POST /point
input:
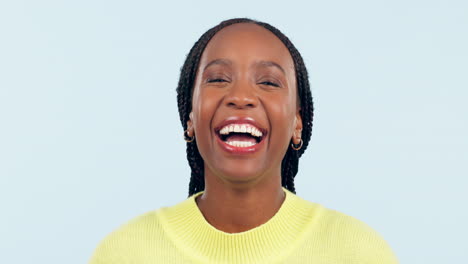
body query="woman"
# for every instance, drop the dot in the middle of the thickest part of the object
(246, 107)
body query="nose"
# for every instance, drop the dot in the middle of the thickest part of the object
(241, 95)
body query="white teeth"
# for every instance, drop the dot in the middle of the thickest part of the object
(241, 144)
(242, 128)
(257, 132)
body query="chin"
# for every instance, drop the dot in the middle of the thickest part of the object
(240, 174)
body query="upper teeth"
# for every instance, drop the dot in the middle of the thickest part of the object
(241, 128)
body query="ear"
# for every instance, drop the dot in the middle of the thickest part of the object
(190, 129)
(297, 135)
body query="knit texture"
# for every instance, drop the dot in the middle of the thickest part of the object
(300, 232)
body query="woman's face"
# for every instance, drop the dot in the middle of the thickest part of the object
(244, 106)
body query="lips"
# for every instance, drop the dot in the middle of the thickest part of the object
(240, 135)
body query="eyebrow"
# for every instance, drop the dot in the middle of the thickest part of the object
(270, 64)
(218, 62)
(258, 63)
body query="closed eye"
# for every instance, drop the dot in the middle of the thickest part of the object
(270, 83)
(216, 80)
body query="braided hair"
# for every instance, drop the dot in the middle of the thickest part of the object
(290, 162)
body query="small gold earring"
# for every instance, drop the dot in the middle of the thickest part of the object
(187, 138)
(297, 148)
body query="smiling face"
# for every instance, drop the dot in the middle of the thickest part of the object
(244, 106)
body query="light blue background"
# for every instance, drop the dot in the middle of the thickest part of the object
(90, 134)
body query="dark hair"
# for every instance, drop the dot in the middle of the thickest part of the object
(289, 165)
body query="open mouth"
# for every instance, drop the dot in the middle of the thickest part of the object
(241, 135)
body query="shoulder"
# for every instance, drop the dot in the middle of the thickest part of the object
(346, 236)
(132, 236)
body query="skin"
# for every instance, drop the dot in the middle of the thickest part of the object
(244, 191)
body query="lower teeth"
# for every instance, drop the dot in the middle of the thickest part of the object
(241, 144)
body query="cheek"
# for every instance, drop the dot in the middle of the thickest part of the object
(282, 117)
(283, 110)
(203, 107)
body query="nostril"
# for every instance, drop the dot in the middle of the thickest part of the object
(241, 101)
(240, 105)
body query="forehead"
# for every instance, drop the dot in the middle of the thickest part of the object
(247, 43)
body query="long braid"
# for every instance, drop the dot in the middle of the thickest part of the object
(290, 162)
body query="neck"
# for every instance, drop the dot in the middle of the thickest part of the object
(235, 209)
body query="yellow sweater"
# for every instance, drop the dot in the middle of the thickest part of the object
(300, 232)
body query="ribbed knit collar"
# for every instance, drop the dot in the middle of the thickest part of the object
(190, 231)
